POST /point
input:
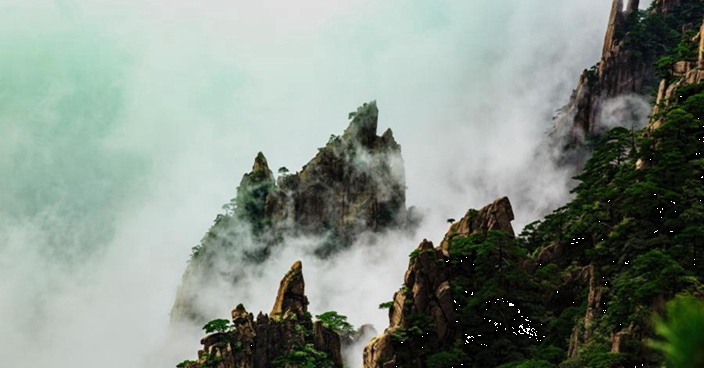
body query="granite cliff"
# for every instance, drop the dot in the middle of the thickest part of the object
(427, 322)
(631, 64)
(354, 186)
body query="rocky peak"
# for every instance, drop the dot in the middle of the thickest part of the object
(354, 185)
(290, 339)
(239, 314)
(684, 73)
(291, 297)
(260, 164)
(496, 216)
(426, 294)
(616, 19)
(620, 71)
(362, 129)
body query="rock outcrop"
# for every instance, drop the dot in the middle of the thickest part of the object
(286, 338)
(620, 71)
(496, 216)
(291, 298)
(630, 65)
(582, 332)
(426, 294)
(426, 291)
(682, 73)
(354, 185)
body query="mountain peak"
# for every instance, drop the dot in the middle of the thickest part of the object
(363, 125)
(260, 163)
(291, 297)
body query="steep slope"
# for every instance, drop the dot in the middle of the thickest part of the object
(285, 338)
(631, 64)
(355, 185)
(579, 288)
(457, 296)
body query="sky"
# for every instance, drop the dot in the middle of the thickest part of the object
(125, 125)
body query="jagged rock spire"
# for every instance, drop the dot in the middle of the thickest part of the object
(336, 195)
(364, 124)
(496, 216)
(426, 288)
(260, 162)
(266, 341)
(615, 20)
(240, 315)
(291, 297)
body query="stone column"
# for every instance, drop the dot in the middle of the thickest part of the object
(615, 20)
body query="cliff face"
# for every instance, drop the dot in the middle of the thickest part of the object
(354, 185)
(618, 72)
(426, 318)
(680, 74)
(285, 338)
(635, 41)
(682, 80)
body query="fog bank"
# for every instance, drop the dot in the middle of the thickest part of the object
(125, 125)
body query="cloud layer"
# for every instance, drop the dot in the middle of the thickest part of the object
(125, 125)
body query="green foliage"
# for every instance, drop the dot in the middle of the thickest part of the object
(597, 355)
(494, 296)
(651, 34)
(532, 363)
(551, 354)
(446, 359)
(333, 138)
(217, 325)
(400, 335)
(386, 305)
(682, 333)
(641, 229)
(592, 75)
(651, 275)
(305, 356)
(251, 199)
(419, 326)
(185, 363)
(336, 322)
(559, 329)
(638, 230)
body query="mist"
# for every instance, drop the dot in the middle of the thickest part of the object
(125, 125)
